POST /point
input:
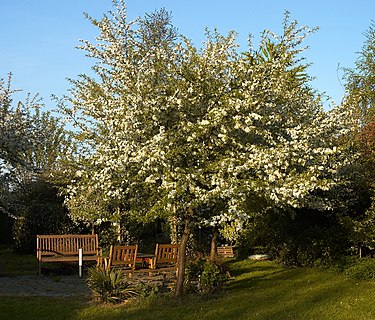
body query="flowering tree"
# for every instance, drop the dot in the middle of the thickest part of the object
(31, 144)
(103, 163)
(13, 129)
(172, 129)
(30, 140)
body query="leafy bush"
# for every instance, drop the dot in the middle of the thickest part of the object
(39, 210)
(205, 276)
(107, 235)
(353, 266)
(300, 237)
(362, 269)
(147, 289)
(110, 285)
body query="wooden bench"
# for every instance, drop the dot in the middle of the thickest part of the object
(226, 251)
(65, 248)
(123, 257)
(166, 257)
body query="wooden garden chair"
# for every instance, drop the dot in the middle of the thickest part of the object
(123, 257)
(166, 257)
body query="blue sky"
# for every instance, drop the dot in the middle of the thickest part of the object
(38, 37)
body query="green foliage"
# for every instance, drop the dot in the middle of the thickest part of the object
(360, 80)
(145, 289)
(359, 86)
(193, 272)
(361, 269)
(354, 267)
(32, 142)
(213, 277)
(39, 211)
(107, 235)
(300, 237)
(205, 276)
(110, 286)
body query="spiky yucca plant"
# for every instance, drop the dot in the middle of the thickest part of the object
(110, 286)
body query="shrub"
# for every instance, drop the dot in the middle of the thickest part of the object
(39, 210)
(110, 285)
(362, 269)
(300, 237)
(205, 276)
(145, 289)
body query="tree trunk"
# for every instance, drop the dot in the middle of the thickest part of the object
(182, 257)
(118, 227)
(213, 252)
(118, 231)
(173, 225)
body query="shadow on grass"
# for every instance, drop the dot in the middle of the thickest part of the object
(259, 291)
(13, 264)
(267, 291)
(40, 308)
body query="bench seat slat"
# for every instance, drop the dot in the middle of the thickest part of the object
(69, 259)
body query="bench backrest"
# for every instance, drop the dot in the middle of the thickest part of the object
(226, 252)
(67, 244)
(122, 256)
(166, 253)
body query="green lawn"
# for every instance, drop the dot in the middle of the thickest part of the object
(259, 290)
(13, 264)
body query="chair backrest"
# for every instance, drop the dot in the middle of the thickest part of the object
(226, 252)
(166, 253)
(124, 256)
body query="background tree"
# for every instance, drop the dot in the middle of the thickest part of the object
(32, 141)
(360, 80)
(35, 202)
(14, 130)
(360, 94)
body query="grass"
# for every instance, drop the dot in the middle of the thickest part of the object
(258, 290)
(13, 264)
